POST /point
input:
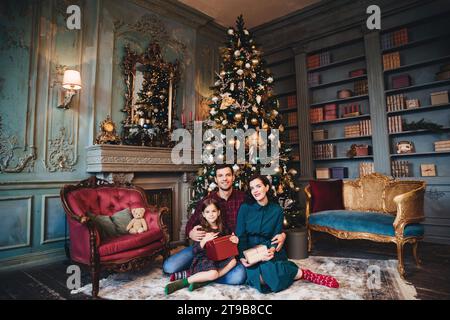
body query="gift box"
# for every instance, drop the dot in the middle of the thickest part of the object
(362, 150)
(344, 93)
(339, 172)
(412, 103)
(322, 173)
(255, 254)
(401, 81)
(221, 248)
(440, 97)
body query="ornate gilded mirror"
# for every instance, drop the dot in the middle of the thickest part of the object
(150, 97)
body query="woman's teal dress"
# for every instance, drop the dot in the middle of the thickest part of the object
(258, 225)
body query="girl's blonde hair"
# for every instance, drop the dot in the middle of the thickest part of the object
(205, 225)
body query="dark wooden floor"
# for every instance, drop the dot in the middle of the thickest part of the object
(431, 279)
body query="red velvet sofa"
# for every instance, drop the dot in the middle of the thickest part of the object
(123, 253)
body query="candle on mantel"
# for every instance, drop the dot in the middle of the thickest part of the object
(170, 102)
(182, 119)
(190, 116)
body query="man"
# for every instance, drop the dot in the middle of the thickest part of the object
(229, 201)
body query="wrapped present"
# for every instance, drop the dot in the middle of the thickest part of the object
(255, 254)
(362, 150)
(319, 134)
(221, 248)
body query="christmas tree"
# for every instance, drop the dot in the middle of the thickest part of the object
(243, 99)
(150, 121)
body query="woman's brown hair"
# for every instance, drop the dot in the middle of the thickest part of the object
(205, 225)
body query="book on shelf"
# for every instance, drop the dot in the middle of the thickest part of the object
(316, 115)
(322, 173)
(395, 102)
(325, 58)
(324, 151)
(443, 145)
(320, 134)
(330, 111)
(293, 136)
(353, 130)
(351, 110)
(313, 61)
(395, 38)
(292, 119)
(400, 168)
(395, 124)
(361, 87)
(366, 168)
(292, 101)
(391, 60)
(313, 79)
(365, 127)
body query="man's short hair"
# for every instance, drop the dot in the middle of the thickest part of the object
(222, 166)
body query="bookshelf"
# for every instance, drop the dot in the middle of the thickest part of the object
(423, 53)
(333, 117)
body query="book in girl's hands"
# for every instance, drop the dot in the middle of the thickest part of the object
(255, 254)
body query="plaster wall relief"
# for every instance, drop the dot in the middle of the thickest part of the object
(64, 51)
(17, 148)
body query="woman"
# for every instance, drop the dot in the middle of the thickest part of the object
(257, 223)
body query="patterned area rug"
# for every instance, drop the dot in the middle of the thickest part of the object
(359, 279)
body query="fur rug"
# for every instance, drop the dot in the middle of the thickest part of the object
(359, 279)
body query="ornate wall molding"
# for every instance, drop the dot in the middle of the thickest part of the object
(151, 26)
(10, 162)
(61, 153)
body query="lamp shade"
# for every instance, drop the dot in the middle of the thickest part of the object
(72, 80)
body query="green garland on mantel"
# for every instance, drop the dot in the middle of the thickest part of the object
(422, 124)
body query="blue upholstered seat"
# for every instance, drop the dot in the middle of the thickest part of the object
(358, 221)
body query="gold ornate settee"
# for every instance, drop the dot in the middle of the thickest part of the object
(377, 208)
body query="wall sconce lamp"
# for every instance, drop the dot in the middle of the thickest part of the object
(71, 84)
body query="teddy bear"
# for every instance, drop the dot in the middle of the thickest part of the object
(138, 223)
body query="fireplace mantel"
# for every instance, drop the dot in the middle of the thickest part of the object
(120, 158)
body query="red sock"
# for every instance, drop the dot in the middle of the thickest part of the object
(321, 279)
(180, 275)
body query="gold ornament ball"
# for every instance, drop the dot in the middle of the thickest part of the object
(238, 116)
(254, 121)
(281, 128)
(255, 61)
(265, 126)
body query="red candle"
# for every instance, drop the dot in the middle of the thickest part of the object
(182, 118)
(190, 116)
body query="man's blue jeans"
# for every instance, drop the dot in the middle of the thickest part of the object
(182, 261)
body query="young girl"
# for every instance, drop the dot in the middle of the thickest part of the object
(203, 270)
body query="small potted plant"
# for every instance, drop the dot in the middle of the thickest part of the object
(296, 243)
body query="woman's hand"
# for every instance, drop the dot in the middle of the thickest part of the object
(245, 263)
(269, 254)
(279, 240)
(208, 237)
(234, 239)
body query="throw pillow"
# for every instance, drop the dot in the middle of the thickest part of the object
(326, 195)
(104, 224)
(121, 219)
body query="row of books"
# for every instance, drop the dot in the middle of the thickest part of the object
(366, 168)
(393, 39)
(316, 115)
(291, 118)
(351, 110)
(395, 124)
(313, 79)
(400, 168)
(318, 60)
(443, 145)
(361, 87)
(293, 136)
(353, 130)
(365, 127)
(324, 151)
(395, 102)
(292, 101)
(391, 60)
